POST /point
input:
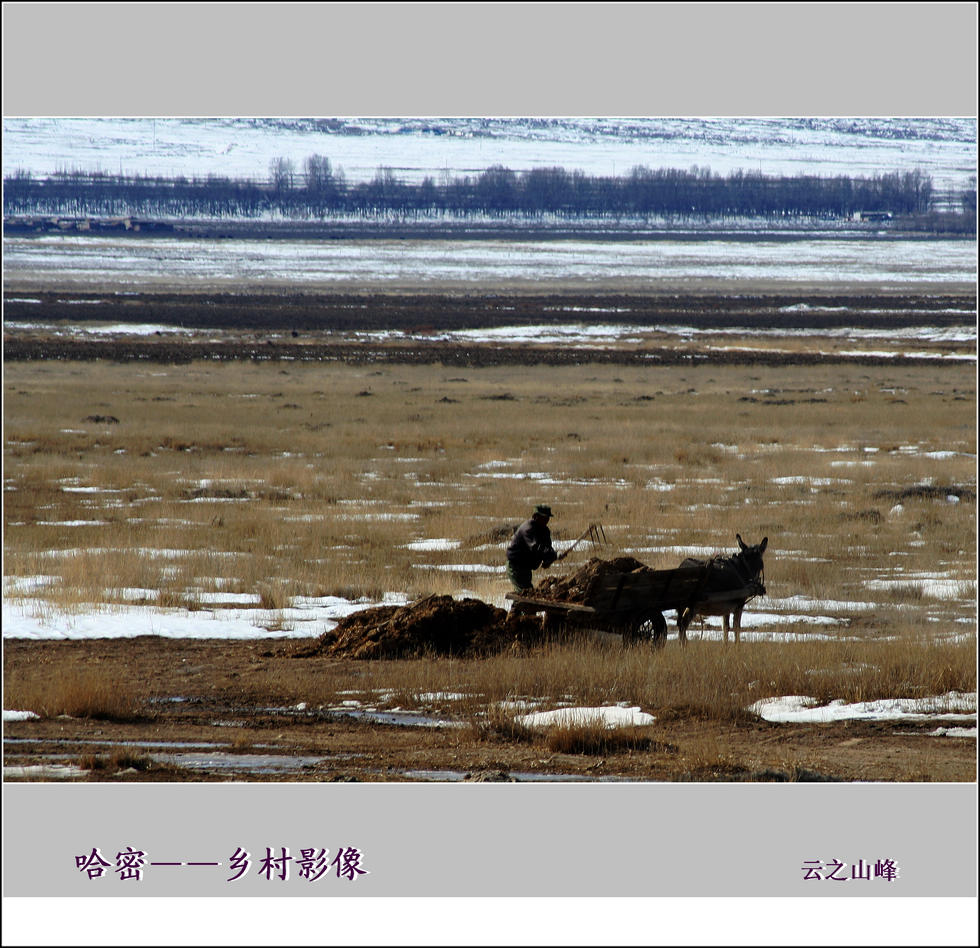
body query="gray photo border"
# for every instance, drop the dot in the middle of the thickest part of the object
(504, 59)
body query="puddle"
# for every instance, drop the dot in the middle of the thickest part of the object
(200, 745)
(527, 777)
(442, 776)
(250, 763)
(352, 709)
(398, 718)
(190, 754)
(456, 776)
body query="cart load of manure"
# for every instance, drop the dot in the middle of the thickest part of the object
(436, 625)
(589, 585)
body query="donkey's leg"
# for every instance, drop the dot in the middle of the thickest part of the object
(737, 621)
(684, 617)
(724, 622)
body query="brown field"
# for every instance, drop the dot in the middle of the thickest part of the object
(148, 482)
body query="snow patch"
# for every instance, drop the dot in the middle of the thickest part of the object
(610, 717)
(800, 709)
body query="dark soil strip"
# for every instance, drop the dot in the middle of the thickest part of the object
(416, 313)
(420, 354)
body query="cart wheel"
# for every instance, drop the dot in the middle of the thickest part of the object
(651, 627)
(552, 625)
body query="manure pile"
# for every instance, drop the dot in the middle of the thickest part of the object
(588, 585)
(436, 625)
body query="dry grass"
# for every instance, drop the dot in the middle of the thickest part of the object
(706, 680)
(119, 759)
(285, 481)
(500, 723)
(85, 693)
(594, 737)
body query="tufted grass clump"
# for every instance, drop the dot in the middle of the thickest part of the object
(590, 736)
(84, 693)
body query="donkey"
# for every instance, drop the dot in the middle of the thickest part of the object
(738, 572)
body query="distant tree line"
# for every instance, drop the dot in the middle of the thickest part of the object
(319, 191)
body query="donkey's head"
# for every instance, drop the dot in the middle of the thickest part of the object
(751, 556)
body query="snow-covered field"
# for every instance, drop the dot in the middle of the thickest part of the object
(134, 612)
(189, 263)
(414, 148)
(233, 617)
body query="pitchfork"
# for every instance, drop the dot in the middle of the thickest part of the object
(595, 534)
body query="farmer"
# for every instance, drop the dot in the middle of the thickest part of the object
(530, 548)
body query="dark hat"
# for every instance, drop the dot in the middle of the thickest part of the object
(543, 509)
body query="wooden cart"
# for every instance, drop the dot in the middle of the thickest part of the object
(633, 604)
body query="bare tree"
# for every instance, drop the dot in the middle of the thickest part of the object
(281, 175)
(319, 174)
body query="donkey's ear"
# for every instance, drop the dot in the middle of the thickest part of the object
(741, 545)
(763, 544)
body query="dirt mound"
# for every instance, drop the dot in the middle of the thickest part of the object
(584, 586)
(436, 625)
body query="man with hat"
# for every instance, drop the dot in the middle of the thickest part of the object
(530, 548)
